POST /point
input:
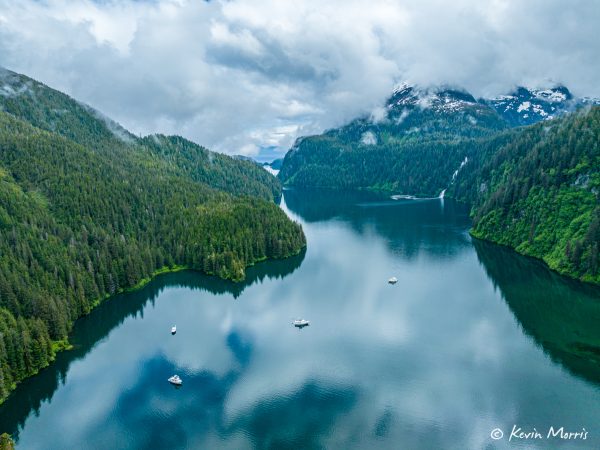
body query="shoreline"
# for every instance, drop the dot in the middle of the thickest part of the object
(64, 344)
(567, 275)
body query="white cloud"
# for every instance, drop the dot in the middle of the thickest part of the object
(379, 114)
(240, 75)
(368, 138)
(243, 41)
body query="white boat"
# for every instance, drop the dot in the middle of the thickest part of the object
(300, 323)
(393, 280)
(173, 329)
(175, 380)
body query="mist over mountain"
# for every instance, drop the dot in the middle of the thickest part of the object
(415, 142)
(518, 160)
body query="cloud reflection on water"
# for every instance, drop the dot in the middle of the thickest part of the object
(436, 361)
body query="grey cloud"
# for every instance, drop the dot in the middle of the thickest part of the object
(271, 62)
(242, 75)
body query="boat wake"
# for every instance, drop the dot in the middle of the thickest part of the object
(413, 197)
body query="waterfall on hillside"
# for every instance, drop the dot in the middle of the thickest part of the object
(442, 194)
(462, 164)
(454, 175)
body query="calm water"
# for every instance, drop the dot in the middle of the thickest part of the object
(472, 338)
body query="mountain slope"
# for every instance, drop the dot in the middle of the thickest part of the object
(56, 112)
(539, 193)
(418, 140)
(51, 110)
(414, 147)
(233, 175)
(85, 214)
(534, 188)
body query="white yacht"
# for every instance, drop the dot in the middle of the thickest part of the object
(173, 329)
(393, 280)
(175, 380)
(300, 323)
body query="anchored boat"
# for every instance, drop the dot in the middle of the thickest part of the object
(393, 280)
(175, 380)
(301, 323)
(173, 329)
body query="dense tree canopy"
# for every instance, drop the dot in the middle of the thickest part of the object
(533, 188)
(88, 210)
(539, 193)
(414, 150)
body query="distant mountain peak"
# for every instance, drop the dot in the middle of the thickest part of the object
(442, 98)
(401, 87)
(554, 95)
(526, 106)
(523, 106)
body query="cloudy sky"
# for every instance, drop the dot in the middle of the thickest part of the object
(249, 76)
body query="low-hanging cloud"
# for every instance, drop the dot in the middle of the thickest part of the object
(242, 75)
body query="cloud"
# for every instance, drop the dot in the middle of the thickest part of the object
(242, 75)
(368, 138)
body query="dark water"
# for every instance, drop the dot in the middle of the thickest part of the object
(472, 337)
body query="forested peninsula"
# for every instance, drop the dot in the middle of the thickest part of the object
(88, 210)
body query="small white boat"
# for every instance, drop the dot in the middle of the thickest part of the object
(300, 323)
(175, 380)
(173, 329)
(393, 280)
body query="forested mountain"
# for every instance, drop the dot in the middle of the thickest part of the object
(535, 188)
(88, 210)
(56, 112)
(233, 175)
(539, 193)
(418, 140)
(414, 147)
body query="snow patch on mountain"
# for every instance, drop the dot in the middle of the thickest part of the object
(539, 110)
(401, 87)
(527, 106)
(550, 95)
(445, 100)
(524, 106)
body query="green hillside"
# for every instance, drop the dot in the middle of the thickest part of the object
(533, 188)
(88, 210)
(414, 149)
(539, 193)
